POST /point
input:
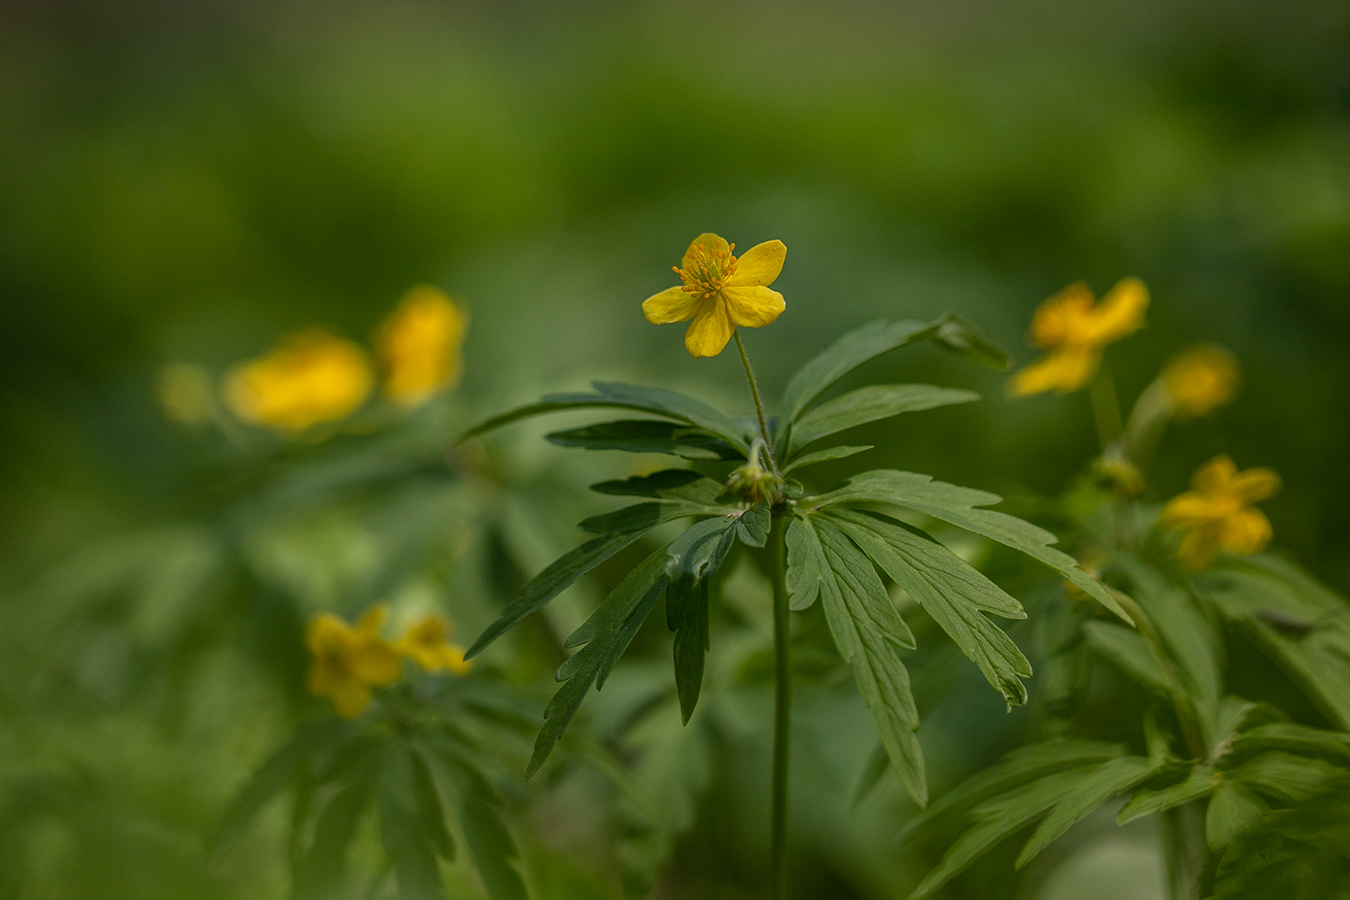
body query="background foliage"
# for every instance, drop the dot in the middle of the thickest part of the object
(190, 183)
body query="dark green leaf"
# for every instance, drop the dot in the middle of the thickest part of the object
(961, 336)
(868, 631)
(1284, 776)
(552, 581)
(960, 507)
(320, 869)
(1106, 781)
(276, 774)
(606, 634)
(820, 456)
(806, 564)
(667, 483)
(1128, 650)
(1295, 739)
(951, 590)
(638, 517)
(694, 559)
(1198, 783)
(647, 436)
(1233, 811)
(656, 401)
(412, 824)
(871, 404)
(752, 526)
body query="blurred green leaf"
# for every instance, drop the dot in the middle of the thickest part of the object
(871, 404)
(647, 436)
(412, 823)
(1199, 782)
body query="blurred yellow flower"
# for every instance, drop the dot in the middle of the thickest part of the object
(427, 644)
(720, 292)
(1201, 379)
(1217, 514)
(1074, 330)
(311, 377)
(346, 662)
(186, 393)
(419, 346)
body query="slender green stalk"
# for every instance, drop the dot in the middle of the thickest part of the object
(759, 403)
(782, 712)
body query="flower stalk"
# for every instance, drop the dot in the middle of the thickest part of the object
(782, 713)
(759, 403)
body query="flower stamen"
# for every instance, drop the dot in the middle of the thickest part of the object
(707, 270)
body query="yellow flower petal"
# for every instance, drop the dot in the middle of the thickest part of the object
(752, 306)
(1246, 531)
(671, 305)
(1216, 477)
(377, 662)
(1201, 379)
(1058, 320)
(419, 345)
(309, 378)
(1253, 485)
(373, 620)
(711, 329)
(1062, 371)
(1198, 548)
(1188, 509)
(351, 699)
(759, 265)
(1120, 312)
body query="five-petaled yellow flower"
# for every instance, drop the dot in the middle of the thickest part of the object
(427, 644)
(419, 346)
(346, 662)
(1201, 379)
(311, 377)
(720, 292)
(1217, 514)
(1074, 329)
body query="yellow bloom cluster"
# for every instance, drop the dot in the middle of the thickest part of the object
(1074, 329)
(346, 662)
(720, 292)
(1218, 515)
(314, 376)
(1201, 379)
(419, 346)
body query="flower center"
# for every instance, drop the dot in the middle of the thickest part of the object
(706, 270)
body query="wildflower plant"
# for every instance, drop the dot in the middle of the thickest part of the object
(741, 491)
(1231, 767)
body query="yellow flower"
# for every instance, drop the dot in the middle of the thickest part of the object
(347, 662)
(1201, 379)
(419, 346)
(1217, 514)
(720, 292)
(1074, 330)
(185, 393)
(311, 377)
(427, 645)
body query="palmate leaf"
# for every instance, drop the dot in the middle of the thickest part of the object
(826, 455)
(412, 823)
(1062, 798)
(320, 867)
(693, 559)
(869, 633)
(647, 436)
(871, 404)
(684, 484)
(1130, 652)
(951, 590)
(656, 401)
(806, 564)
(1199, 782)
(606, 634)
(961, 507)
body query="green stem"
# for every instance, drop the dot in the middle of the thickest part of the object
(782, 713)
(759, 403)
(1105, 408)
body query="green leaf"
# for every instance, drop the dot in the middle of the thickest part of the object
(638, 517)
(1128, 650)
(278, 772)
(1198, 783)
(961, 336)
(694, 558)
(960, 507)
(656, 401)
(320, 869)
(1233, 811)
(647, 436)
(806, 563)
(478, 809)
(843, 356)
(1106, 781)
(752, 526)
(1293, 738)
(1067, 796)
(951, 590)
(871, 404)
(826, 455)
(412, 824)
(684, 484)
(1018, 767)
(868, 631)
(1284, 776)
(606, 634)
(552, 581)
